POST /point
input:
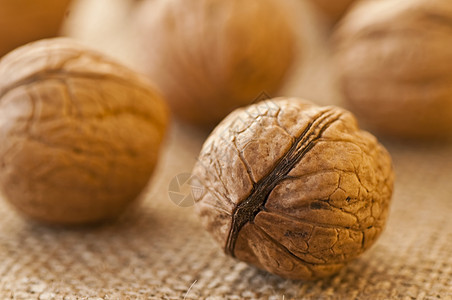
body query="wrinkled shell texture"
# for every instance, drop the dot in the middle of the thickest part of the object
(23, 21)
(334, 10)
(209, 57)
(394, 60)
(79, 132)
(293, 188)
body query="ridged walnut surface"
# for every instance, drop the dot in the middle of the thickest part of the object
(394, 60)
(79, 132)
(209, 57)
(293, 188)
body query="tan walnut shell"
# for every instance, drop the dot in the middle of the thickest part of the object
(23, 21)
(394, 60)
(79, 133)
(293, 188)
(209, 57)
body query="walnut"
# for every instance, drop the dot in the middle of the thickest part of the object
(394, 61)
(209, 57)
(79, 133)
(333, 10)
(23, 21)
(293, 188)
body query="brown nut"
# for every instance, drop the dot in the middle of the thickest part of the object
(79, 133)
(293, 188)
(333, 10)
(394, 61)
(23, 21)
(209, 57)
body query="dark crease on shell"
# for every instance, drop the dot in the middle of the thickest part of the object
(247, 210)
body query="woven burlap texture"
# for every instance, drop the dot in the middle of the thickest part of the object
(159, 250)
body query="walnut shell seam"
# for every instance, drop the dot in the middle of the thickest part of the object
(249, 208)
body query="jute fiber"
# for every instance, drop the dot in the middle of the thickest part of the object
(158, 250)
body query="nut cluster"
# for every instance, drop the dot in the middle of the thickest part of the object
(80, 133)
(293, 188)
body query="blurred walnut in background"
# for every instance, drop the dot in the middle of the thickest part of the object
(211, 56)
(23, 21)
(394, 61)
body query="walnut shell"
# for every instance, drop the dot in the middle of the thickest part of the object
(79, 133)
(394, 61)
(209, 57)
(333, 10)
(293, 188)
(23, 21)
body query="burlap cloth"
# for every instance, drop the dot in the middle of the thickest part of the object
(159, 250)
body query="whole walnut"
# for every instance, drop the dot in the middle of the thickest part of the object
(333, 10)
(79, 133)
(209, 57)
(293, 188)
(394, 61)
(23, 21)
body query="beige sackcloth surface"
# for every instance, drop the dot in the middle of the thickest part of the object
(159, 250)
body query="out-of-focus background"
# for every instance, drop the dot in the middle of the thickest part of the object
(109, 26)
(159, 250)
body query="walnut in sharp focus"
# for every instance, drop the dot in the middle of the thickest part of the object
(79, 133)
(293, 188)
(209, 57)
(394, 61)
